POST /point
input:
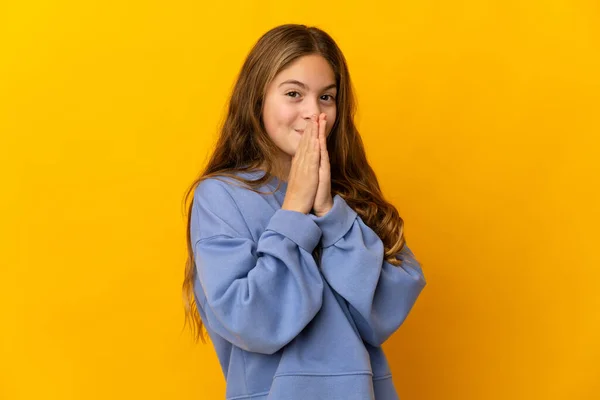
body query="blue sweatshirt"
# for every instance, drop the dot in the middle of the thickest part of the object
(284, 327)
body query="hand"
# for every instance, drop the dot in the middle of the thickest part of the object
(304, 171)
(323, 200)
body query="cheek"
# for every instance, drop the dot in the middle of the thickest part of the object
(274, 115)
(279, 116)
(286, 115)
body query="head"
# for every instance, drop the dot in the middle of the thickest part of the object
(307, 86)
(291, 73)
(259, 129)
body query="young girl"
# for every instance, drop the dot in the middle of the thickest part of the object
(297, 286)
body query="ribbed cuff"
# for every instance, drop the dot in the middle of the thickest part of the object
(297, 226)
(336, 222)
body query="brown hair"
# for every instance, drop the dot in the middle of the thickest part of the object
(243, 144)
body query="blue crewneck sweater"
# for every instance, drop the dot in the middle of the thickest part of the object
(284, 327)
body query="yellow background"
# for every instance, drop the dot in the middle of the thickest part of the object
(481, 120)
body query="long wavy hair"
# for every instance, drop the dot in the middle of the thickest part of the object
(244, 145)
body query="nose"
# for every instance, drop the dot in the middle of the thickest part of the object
(312, 108)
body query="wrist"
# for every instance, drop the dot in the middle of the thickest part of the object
(323, 212)
(336, 222)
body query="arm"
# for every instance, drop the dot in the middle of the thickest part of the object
(258, 295)
(379, 294)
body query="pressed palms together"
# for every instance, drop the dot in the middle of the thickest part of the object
(309, 181)
(323, 200)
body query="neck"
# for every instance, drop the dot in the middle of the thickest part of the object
(282, 170)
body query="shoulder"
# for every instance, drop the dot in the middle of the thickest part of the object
(218, 195)
(222, 190)
(208, 188)
(223, 205)
(215, 210)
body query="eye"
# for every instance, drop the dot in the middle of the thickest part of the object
(328, 95)
(292, 92)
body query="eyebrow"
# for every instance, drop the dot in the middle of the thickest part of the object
(302, 85)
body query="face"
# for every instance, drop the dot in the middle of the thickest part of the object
(305, 87)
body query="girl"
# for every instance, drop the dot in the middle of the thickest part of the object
(298, 286)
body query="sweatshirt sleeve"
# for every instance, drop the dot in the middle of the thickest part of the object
(258, 294)
(379, 295)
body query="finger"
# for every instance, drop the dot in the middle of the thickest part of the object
(308, 137)
(308, 132)
(314, 139)
(318, 130)
(322, 126)
(323, 142)
(302, 146)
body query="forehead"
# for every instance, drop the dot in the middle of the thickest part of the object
(312, 70)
